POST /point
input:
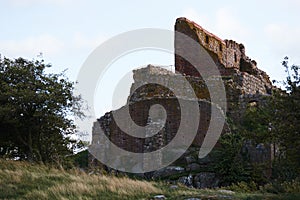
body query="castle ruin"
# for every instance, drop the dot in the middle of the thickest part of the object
(244, 82)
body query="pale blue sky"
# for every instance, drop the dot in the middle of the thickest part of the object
(66, 31)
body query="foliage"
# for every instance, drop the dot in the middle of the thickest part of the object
(277, 121)
(243, 187)
(275, 187)
(35, 110)
(284, 187)
(286, 123)
(256, 124)
(232, 165)
(81, 159)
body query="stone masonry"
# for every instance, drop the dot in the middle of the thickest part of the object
(244, 84)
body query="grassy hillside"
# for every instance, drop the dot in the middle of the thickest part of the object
(21, 180)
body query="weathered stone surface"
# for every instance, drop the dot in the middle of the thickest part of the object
(168, 171)
(174, 187)
(186, 180)
(206, 180)
(245, 85)
(226, 191)
(139, 114)
(159, 197)
(228, 55)
(193, 167)
(190, 159)
(206, 160)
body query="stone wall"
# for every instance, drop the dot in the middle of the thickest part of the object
(228, 55)
(241, 87)
(170, 80)
(243, 81)
(139, 112)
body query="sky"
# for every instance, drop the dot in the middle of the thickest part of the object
(67, 31)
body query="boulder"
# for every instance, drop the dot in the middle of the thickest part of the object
(159, 197)
(206, 180)
(168, 171)
(193, 167)
(186, 180)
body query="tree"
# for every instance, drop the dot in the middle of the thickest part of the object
(232, 163)
(278, 122)
(274, 120)
(35, 110)
(286, 123)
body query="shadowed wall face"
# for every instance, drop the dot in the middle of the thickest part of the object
(243, 82)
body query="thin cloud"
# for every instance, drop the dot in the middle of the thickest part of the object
(222, 23)
(32, 46)
(292, 2)
(193, 15)
(283, 40)
(283, 36)
(228, 26)
(82, 41)
(35, 2)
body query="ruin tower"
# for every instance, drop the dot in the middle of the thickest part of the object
(244, 82)
(228, 55)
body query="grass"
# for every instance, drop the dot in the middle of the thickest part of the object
(22, 180)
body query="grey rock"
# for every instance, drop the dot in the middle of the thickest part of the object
(207, 159)
(193, 167)
(174, 186)
(226, 191)
(206, 180)
(159, 197)
(190, 159)
(225, 197)
(168, 171)
(186, 180)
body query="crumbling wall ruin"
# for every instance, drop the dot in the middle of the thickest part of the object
(244, 83)
(228, 55)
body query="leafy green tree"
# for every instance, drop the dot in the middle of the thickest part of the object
(274, 120)
(35, 110)
(286, 123)
(277, 121)
(232, 164)
(256, 123)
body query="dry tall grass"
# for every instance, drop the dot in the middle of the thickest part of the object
(22, 180)
(42, 182)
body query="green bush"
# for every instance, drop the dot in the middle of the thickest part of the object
(231, 164)
(292, 186)
(243, 187)
(284, 187)
(81, 159)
